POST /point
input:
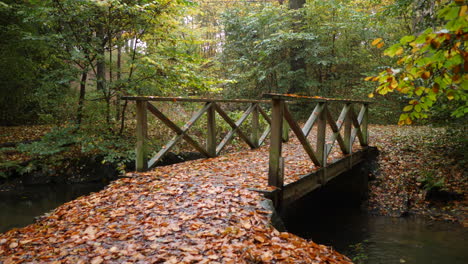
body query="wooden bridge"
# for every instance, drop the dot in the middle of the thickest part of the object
(344, 130)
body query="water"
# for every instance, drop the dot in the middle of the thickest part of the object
(19, 208)
(384, 240)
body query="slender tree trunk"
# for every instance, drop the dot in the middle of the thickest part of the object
(296, 4)
(81, 99)
(119, 76)
(122, 121)
(101, 70)
(101, 60)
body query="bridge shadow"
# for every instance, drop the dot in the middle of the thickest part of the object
(334, 209)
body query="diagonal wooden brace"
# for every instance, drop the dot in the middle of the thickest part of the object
(181, 132)
(235, 128)
(300, 135)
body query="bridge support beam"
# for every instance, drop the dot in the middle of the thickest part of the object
(255, 136)
(142, 133)
(275, 173)
(309, 182)
(211, 131)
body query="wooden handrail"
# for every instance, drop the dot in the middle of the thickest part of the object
(186, 99)
(211, 107)
(278, 125)
(294, 97)
(354, 126)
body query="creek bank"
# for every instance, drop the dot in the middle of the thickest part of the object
(86, 169)
(422, 171)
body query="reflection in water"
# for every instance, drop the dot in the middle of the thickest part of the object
(19, 208)
(382, 240)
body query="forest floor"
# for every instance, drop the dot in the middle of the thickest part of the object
(422, 170)
(12, 136)
(203, 211)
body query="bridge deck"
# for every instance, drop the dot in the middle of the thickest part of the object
(196, 212)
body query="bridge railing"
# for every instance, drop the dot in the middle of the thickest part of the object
(210, 107)
(345, 129)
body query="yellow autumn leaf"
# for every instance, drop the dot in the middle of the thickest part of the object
(399, 51)
(405, 90)
(368, 78)
(419, 91)
(408, 108)
(462, 12)
(450, 96)
(408, 121)
(371, 95)
(376, 41)
(380, 45)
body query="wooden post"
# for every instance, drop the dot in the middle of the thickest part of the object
(142, 132)
(285, 134)
(364, 125)
(347, 131)
(255, 136)
(321, 134)
(211, 132)
(274, 169)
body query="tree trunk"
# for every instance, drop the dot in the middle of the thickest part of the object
(122, 121)
(119, 76)
(101, 70)
(296, 4)
(79, 112)
(101, 61)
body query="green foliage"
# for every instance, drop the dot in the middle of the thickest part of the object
(256, 47)
(34, 79)
(6, 166)
(57, 141)
(47, 47)
(330, 36)
(431, 71)
(68, 141)
(359, 254)
(420, 14)
(430, 181)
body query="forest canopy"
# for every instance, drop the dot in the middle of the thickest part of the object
(65, 59)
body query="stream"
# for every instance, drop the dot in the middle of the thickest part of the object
(383, 240)
(19, 208)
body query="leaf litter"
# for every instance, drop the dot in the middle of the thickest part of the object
(413, 162)
(199, 211)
